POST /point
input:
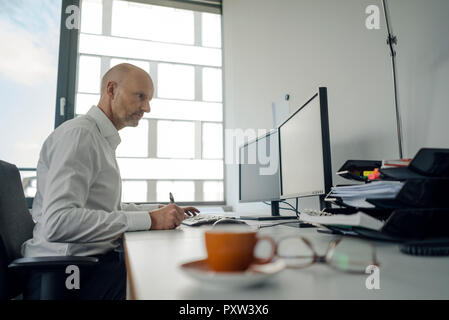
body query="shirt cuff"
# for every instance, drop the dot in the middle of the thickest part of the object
(138, 220)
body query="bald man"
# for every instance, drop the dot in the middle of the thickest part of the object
(77, 208)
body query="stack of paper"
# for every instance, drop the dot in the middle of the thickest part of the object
(357, 194)
(358, 219)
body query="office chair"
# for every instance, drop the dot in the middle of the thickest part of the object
(16, 226)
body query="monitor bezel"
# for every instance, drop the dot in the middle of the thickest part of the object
(327, 164)
(269, 133)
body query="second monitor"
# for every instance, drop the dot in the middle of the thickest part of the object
(305, 157)
(259, 171)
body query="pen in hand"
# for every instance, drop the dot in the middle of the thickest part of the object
(190, 211)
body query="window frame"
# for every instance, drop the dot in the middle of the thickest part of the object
(67, 66)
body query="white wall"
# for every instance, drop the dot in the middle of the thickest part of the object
(423, 65)
(274, 47)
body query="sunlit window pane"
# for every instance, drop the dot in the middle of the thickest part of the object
(212, 140)
(29, 183)
(181, 190)
(157, 23)
(134, 141)
(85, 101)
(89, 70)
(170, 169)
(116, 61)
(141, 64)
(148, 50)
(211, 30)
(185, 110)
(145, 65)
(134, 191)
(29, 49)
(175, 139)
(213, 191)
(176, 81)
(212, 84)
(91, 16)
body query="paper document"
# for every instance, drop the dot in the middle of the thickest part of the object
(358, 203)
(357, 194)
(377, 189)
(358, 219)
(280, 112)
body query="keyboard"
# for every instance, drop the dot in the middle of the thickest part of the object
(203, 219)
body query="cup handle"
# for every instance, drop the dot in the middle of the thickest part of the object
(273, 250)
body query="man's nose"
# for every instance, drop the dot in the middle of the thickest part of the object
(146, 107)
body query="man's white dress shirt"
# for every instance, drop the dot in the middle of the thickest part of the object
(77, 208)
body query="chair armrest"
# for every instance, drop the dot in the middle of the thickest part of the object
(56, 262)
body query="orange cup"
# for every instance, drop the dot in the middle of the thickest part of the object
(232, 249)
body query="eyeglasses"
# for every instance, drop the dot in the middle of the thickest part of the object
(347, 255)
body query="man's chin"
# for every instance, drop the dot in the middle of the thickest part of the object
(133, 120)
(132, 123)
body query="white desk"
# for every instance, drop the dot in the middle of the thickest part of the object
(154, 257)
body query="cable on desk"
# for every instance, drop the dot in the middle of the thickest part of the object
(292, 207)
(276, 224)
(297, 213)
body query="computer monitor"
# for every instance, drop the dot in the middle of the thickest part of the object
(259, 171)
(305, 157)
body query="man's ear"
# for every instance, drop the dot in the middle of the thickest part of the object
(111, 89)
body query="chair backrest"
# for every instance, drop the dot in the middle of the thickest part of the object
(16, 223)
(4, 290)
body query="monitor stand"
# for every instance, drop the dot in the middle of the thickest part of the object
(275, 215)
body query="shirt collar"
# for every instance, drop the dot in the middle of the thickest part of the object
(105, 126)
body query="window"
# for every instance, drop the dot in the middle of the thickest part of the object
(212, 136)
(212, 84)
(29, 35)
(213, 190)
(156, 23)
(184, 190)
(89, 69)
(134, 141)
(178, 146)
(175, 81)
(133, 191)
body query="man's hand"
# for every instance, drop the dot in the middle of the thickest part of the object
(190, 211)
(170, 216)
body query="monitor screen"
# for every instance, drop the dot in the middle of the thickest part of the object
(304, 150)
(259, 169)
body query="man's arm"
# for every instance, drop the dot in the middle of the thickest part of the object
(138, 207)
